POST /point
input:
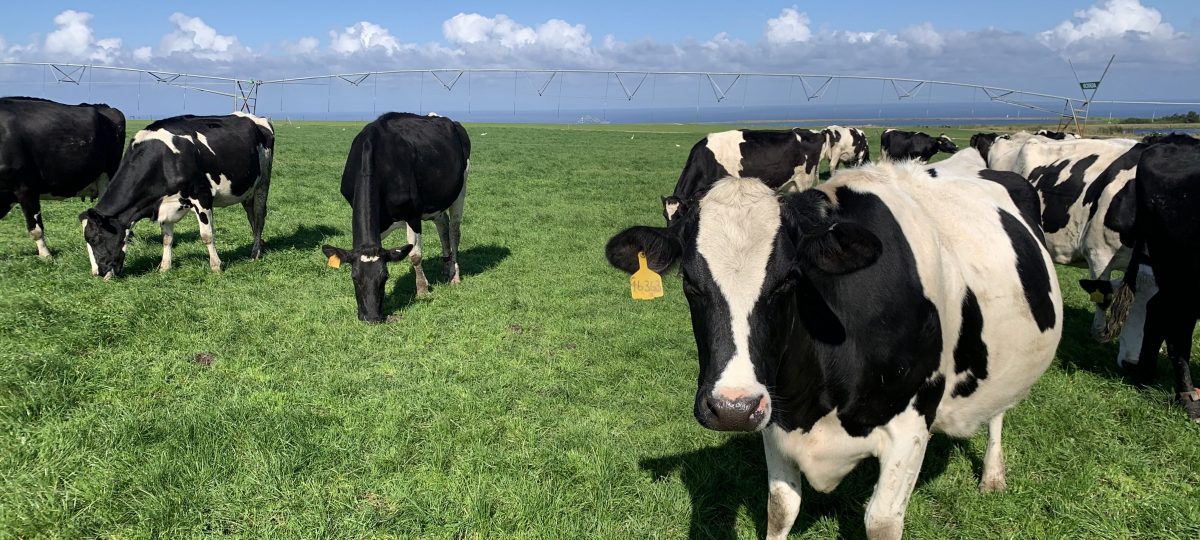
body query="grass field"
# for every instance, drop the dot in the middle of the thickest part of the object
(533, 400)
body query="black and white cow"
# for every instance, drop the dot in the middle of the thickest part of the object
(845, 146)
(180, 165)
(1163, 217)
(50, 150)
(402, 169)
(1056, 135)
(786, 160)
(1077, 181)
(897, 145)
(852, 319)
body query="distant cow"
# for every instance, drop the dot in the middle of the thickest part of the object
(402, 169)
(896, 145)
(787, 296)
(180, 165)
(1056, 135)
(788, 160)
(845, 146)
(1165, 217)
(53, 151)
(1077, 181)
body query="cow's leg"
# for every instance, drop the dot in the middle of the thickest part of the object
(256, 213)
(899, 465)
(414, 256)
(993, 459)
(31, 205)
(783, 484)
(442, 222)
(1153, 333)
(168, 241)
(450, 270)
(205, 216)
(1180, 328)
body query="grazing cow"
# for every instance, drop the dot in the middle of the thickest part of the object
(1164, 220)
(179, 165)
(1056, 135)
(852, 319)
(789, 160)
(402, 169)
(845, 146)
(898, 145)
(53, 151)
(1077, 181)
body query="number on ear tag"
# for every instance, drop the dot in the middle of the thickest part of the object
(645, 284)
(1097, 297)
(335, 261)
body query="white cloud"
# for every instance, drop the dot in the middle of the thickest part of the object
(363, 36)
(193, 37)
(306, 45)
(924, 36)
(790, 26)
(74, 39)
(474, 29)
(1112, 19)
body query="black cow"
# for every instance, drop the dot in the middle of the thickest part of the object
(898, 144)
(777, 158)
(1164, 220)
(1056, 135)
(402, 169)
(181, 164)
(53, 151)
(852, 319)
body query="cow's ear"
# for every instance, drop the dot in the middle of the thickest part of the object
(332, 252)
(660, 245)
(841, 248)
(1103, 286)
(397, 254)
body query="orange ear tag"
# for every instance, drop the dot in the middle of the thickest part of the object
(645, 284)
(1097, 297)
(335, 261)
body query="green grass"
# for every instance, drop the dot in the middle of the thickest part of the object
(533, 400)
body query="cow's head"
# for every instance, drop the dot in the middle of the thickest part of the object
(944, 144)
(983, 143)
(106, 242)
(368, 270)
(743, 252)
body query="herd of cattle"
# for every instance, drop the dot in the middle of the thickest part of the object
(843, 319)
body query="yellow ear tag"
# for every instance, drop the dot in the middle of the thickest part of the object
(1097, 297)
(335, 261)
(645, 284)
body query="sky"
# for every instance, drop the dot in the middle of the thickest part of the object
(1016, 43)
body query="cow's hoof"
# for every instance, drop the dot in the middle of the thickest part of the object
(422, 292)
(993, 485)
(215, 268)
(1191, 404)
(164, 268)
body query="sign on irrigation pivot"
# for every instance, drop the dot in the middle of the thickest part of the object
(1090, 85)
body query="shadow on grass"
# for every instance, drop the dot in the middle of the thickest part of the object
(1079, 351)
(722, 480)
(304, 237)
(471, 262)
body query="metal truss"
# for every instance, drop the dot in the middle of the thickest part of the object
(244, 91)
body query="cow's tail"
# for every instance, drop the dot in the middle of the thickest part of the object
(1122, 302)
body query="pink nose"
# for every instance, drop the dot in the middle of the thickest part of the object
(734, 411)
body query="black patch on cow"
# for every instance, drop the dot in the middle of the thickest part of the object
(1122, 212)
(970, 353)
(203, 217)
(928, 398)
(1058, 197)
(1031, 268)
(932, 172)
(1125, 162)
(1023, 195)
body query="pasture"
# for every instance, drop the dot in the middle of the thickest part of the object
(535, 399)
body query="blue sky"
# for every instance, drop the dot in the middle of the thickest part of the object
(1015, 43)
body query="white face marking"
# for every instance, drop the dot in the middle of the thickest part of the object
(266, 124)
(1130, 341)
(204, 141)
(91, 256)
(160, 135)
(671, 208)
(739, 219)
(367, 259)
(726, 147)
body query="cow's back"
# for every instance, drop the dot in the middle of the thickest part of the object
(62, 148)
